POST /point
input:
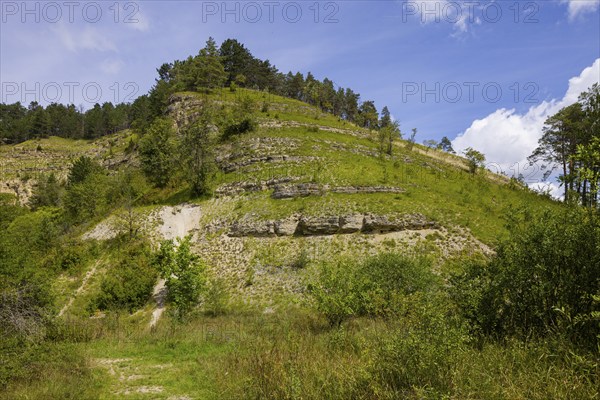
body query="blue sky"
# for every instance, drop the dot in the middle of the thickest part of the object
(388, 51)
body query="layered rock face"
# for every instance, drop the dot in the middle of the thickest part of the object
(330, 225)
(290, 191)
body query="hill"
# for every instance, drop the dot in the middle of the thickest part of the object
(299, 192)
(303, 181)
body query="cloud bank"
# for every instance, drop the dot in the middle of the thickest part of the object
(578, 8)
(508, 138)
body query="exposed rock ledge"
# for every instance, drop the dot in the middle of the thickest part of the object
(237, 188)
(330, 225)
(284, 189)
(288, 191)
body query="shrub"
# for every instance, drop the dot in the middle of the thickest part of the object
(27, 239)
(334, 292)
(301, 260)
(129, 284)
(216, 299)
(72, 255)
(240, 119)
(543, 279)
(417, 358)
(47, 193)
(245, 125)
(184, 273)
(157, 152)
(82, 168)
(87, 199)
(23, 311)
(379, 286)
(9, 210)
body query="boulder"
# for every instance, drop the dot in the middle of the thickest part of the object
(380, 224)
(318, 226)
(351, 223)
(286, 227)
(418, 221)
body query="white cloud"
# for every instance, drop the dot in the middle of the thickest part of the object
(508, 138)
(139, 22)
(111, 66)
(548, 187)
(579, 7)
(89, 38)
(459, 14)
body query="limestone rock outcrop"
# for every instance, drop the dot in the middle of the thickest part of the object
(290, 191)
(331, 225)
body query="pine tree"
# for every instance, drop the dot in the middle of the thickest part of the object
(446, 145)
(386, 118)
(210, 71)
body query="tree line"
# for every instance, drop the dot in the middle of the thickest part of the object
(230, 65)
(19, 123)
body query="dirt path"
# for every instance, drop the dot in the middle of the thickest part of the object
(176, 223)
(85, 280)
(160, 296)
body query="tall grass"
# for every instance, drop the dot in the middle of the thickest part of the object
(296, 354)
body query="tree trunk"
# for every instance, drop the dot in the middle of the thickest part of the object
(568, 185)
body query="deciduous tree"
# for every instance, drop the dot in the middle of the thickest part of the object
(475, 159)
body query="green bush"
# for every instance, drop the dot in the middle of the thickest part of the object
(157, 152)
(301, 260)
(378, 286)
(9, 210)
(240, 127)
(72, 255)
(87, 199)
(47, 371)
(47, 192)
(216, 298)
(184, 273)
(388, 277)
(240, 119)
(128, 285)
(27, 240)
(417, 358)
(82, 168)
(334, 292)
(543, 279)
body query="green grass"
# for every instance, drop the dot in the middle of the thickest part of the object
(295, 354)
(175, 365)
(25, 161)
(55, 371)
(280, 108)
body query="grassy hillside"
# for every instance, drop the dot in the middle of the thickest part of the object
(260, 331)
